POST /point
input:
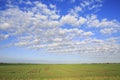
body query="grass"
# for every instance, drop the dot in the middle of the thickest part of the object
(59, 71)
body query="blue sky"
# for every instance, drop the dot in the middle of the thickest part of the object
(60, 31)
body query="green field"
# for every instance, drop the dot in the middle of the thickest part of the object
(59, 71)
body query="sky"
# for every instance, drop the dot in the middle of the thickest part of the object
(60, 31)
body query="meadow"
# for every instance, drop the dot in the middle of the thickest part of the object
(59, 71)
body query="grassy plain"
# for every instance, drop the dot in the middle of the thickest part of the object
(59, 71)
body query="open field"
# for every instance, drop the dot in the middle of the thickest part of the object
(59, 71)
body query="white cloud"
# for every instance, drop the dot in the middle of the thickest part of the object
(85, 3)
(21, 43)
(93, 21)
(95, 6)
(105, 26)
(88, 34)
(81, 21)
(54, 16)
(28, 3)
(4, 26)
(78, 8)
(73, 20)
(75, 32)
(40, 17)
(69, 19)
(108, 31)
(75, 10)
(52, 6)
(91, 4)
(58, 39)
(98, 46)
(3, 36)
(42, 27)
(97, 41)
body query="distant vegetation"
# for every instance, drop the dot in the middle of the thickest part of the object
(59, 71)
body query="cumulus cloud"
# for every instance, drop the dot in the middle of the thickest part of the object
(52, 6)
(42, 27)
(4, 26)
(68, 19)
(93, 21)
(75, 10)
(3, 36)
(105, 26)
(108, 31)
(98, 46)
(88, 34)
(72, 20)
(91, 4)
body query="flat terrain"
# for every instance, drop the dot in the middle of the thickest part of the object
(59, 71)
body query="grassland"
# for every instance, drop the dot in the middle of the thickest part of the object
(59, 71)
